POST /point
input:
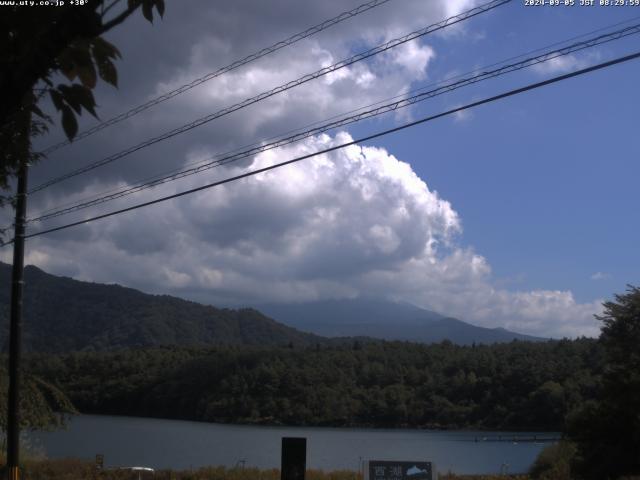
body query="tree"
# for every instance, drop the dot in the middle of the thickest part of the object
(554, 462)
(45, 406)
(36, 45)
(607, 432)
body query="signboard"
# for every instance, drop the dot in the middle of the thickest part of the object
(294, 458)
(99, 461)
(392, 470)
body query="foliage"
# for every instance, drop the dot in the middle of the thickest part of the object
(40, 44)
(74, 469)
(607, 430)
(554, 462)
(386, 384)
(44, 406)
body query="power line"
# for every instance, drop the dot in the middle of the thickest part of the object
(452, 77)
(210, 76)
(494, 98)
(205, 164)
(162, 175)
(405, 102)
(160, 178)
(282, 88)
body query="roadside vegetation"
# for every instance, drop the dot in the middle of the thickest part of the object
(74, 469)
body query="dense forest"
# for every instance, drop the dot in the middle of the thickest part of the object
(519, 385)
(64, 315)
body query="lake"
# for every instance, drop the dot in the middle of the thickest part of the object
(157, 443)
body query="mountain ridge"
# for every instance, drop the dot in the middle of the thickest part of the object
(385, 320)
(63, 314)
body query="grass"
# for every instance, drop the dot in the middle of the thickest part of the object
(75, 469)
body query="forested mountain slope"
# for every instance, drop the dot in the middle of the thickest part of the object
(62, 314)
(518, 385)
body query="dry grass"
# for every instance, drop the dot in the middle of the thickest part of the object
(74, 469)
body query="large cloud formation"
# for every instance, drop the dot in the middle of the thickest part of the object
(354, 222)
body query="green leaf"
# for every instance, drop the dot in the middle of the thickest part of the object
(36, 110)
(70, 98)
(86, 99)
(67, 65)
(103, 50)
(69, 122)
(57, 99)
(87, 75)
(108, 72)
(147, 10)
(75, 60)
(78, 97)
(80, 54)
(160, 7)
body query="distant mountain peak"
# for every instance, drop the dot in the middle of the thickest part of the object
(63, 314)
(384, 319)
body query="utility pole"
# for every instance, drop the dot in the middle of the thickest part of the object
(15, 328)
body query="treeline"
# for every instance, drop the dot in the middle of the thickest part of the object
(520, 385)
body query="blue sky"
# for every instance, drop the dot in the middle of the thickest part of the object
(546, 182)
(517, 214)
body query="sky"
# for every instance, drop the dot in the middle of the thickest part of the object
(518, 214)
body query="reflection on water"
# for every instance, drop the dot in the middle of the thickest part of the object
(181, 445)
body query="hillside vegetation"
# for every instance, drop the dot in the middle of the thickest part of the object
(529, 386)
(73, 469)
(62, 315)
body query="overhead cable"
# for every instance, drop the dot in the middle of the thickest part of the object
(494, 98)
(210, 76)
(282, 88)
(225, 159)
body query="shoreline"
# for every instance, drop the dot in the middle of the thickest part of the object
(354, 426)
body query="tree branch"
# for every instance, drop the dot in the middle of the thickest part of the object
(106, 9)
(117, 20)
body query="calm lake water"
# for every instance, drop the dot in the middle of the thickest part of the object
(128, 441)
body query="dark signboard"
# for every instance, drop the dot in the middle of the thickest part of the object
(391, 470)
(294, 458)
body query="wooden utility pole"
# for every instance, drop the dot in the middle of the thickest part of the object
(15, 327)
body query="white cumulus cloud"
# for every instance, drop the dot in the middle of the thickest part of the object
(357, 221)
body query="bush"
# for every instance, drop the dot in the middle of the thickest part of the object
(554, 462)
